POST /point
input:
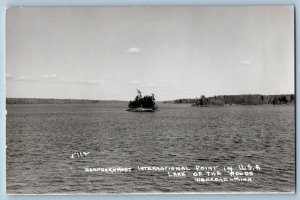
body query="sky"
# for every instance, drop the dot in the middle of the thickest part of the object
(107, 53)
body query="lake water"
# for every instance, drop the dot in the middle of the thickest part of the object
(42, 138)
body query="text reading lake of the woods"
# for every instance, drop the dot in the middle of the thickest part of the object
(200, 173)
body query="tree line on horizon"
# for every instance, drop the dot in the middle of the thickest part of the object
(240, 100)
(148, 101)
(49, 101)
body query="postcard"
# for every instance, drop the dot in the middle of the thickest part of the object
(150, 100)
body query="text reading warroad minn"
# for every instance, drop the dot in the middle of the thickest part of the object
(238, 173)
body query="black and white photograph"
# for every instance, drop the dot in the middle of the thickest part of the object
(150, 100)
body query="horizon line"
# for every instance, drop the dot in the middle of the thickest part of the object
(131, 99)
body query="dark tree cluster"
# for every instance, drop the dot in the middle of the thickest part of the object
(202, 101)
(185, 101)
(280, 100)
(140, 101)
(254, 99)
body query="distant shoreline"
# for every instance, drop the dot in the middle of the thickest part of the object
(254, 99)
(248, 99)
(56, 101)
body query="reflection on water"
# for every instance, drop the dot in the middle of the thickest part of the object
(41, 139)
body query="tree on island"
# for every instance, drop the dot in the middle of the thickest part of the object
(147, 101)
(202, 101)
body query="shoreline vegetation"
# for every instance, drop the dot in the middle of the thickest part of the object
(142, 103)
(255, 99)
(55, 101)
(220, 100)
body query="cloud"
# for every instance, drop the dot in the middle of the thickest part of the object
(135, 82)
(92, 82)
(246, 62)
(49, 76)
(64, 80)
(95, 81)
(43, 78)
(134, 50)
(53, 78)
(23, 78)
(18, 78)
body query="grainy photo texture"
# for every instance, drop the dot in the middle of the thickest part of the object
(114, 100)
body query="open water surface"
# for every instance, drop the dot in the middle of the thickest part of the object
(42, 137)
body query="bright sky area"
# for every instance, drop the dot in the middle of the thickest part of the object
(173, 52)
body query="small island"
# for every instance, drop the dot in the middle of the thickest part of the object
(142, 104)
